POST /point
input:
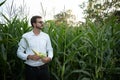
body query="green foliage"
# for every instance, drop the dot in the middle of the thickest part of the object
(65, 17)
(1, 3)
(86, 52)
(100, 10)
(10, 34)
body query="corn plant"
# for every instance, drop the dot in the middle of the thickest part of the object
(84, 53)
(66, 43)
(10, 34)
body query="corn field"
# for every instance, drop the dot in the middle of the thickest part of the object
(89, 51)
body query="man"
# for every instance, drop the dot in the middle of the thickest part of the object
(33, 43)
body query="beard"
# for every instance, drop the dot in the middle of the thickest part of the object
(39, 27)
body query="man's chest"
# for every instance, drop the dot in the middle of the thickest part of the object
(35, 41)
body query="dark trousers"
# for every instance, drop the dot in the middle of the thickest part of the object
(37, 73)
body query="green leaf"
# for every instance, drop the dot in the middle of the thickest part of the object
(1, 3)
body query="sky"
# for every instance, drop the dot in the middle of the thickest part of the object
(52, 7)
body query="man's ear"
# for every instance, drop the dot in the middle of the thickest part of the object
(34, 24)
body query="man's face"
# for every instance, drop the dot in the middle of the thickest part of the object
(39, 23)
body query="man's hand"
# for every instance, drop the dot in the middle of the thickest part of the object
(46, 59)
(33, 57)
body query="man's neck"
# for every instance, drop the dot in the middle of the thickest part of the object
(36, 31)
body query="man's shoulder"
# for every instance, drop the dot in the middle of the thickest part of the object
(26, 34)
(45, 34)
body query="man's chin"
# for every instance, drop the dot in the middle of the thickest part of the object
(40, 28)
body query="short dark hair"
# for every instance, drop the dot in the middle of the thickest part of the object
(33, 19)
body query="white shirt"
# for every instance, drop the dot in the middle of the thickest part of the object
(40, 43)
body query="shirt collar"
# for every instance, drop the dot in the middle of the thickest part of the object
(34, 34)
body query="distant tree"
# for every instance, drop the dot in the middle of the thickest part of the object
(65, 17)
(97, 10)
